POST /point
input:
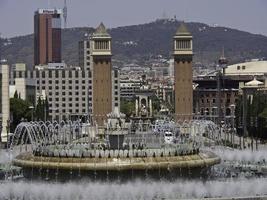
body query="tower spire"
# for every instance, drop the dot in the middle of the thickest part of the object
(65, 13)
(223, 60)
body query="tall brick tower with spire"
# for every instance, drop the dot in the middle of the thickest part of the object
(183, 55)
(100, 44)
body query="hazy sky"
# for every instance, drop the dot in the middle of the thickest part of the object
(16, 16)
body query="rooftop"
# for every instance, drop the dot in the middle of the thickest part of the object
(183, 30)
(247, 68)
(101, 31)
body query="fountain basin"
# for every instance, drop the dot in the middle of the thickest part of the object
(201, 160)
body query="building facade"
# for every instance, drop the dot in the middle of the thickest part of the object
(84, 54)
(69, 92)
(4, 101)
(47, 36)
(183, 54)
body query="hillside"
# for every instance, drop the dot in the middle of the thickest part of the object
(141, 41)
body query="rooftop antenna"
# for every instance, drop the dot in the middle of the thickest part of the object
(48, 3)
(65, 13)
(0, 48)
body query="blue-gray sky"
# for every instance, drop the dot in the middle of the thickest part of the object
(16, 16)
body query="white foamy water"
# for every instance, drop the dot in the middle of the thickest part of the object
(241, 155)
(132, 190)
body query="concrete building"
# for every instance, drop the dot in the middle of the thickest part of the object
(19, 67)
(129, 87)
(234, 80)
(171, 67)
(69, 91)
(4, 102)
(47, 36)
(84, 53)
(183, 54)
(100, 48)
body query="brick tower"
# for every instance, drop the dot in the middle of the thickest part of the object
(183, 54)
(101, 67)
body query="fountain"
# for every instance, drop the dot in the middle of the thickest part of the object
(73, 150)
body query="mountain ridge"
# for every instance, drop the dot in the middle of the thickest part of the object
(139, 42)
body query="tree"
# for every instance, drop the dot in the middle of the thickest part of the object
(39, 111)
(19, 109)
(16, 96)
(156, 104)
(127, 107)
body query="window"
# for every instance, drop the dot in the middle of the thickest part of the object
(238, 67)
(243, 67)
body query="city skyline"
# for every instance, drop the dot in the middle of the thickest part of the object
(122, 13)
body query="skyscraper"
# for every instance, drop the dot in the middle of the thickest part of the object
(183, 54)
(47, 36)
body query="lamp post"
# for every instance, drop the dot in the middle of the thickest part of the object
(31, 108)
(232, 107)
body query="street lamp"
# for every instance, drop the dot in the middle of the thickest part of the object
(232, 107)
(31, 108)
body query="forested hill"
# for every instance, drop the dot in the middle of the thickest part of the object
(145, 40)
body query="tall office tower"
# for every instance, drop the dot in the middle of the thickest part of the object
(47, 36)
(183, 55)
(100, 45)
(84, 54)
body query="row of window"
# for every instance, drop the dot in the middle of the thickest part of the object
(70, 99)
(101, 45)
(70, 111)
(71, 73)
(183, 44)
(63, 81)
(64, 105)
